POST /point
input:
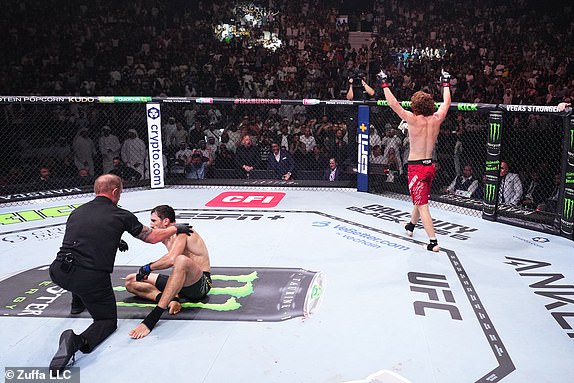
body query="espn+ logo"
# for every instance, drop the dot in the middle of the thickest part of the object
(363, 156)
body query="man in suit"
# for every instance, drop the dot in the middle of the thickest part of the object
(281, 162)
(510, 189)
(333, 172)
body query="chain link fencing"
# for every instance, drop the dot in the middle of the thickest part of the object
(56, 146)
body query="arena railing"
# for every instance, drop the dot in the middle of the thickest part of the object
(535, 141)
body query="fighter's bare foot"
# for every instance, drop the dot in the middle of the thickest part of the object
(140, 331)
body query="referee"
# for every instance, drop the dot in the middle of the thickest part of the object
(86, 259)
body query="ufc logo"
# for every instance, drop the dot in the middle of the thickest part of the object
(432, 285)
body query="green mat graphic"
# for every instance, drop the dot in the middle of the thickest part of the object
(239, 294)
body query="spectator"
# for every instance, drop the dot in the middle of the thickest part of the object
(225, 159)
(280, 162)
(536, 191)
(318, 161)
(134, 152)
(168, 134)
(84, 151)
(180, 135)
(308, 139)
(358, 87)
(550, 204)
(333, 172)
(465, 184)
(510, 187)
(44, 180)
(196, 168)
(83, 178)
(124, 172)
(247, 157)
(109, 146)
(376, 156)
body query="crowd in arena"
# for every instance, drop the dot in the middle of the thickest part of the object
(65, 47)
(514, 52)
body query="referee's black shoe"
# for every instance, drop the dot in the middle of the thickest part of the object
(69, 344)
(77, 305)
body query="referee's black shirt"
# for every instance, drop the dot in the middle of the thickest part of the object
(94, 230)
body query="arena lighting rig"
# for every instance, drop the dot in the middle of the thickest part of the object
(249, 25)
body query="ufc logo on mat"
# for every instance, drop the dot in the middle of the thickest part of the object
(246, 199)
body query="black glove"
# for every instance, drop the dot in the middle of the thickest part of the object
(445, 78)
(383, 79)
(183, 228)
(143, 272)
(123, 245)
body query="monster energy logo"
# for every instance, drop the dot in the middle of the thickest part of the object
(489, 190)
(494, 131)
(568, 208)
(234, 292)
(571, 139)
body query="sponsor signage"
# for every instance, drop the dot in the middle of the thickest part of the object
(492, 166)
(252, 199)
(567, 220)
(262, 294)
(363, 149)
(156, 169)
(547, 283)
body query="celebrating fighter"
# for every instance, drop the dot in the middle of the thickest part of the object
(190, 277)
(424, 125)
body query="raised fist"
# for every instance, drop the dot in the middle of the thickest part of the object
(445, 78)
(383, 79)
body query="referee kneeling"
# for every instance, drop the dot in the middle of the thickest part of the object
(86, 259)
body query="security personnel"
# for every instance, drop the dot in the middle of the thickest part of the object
(86, 259)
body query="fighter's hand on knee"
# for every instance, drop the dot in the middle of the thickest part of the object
(143, 272)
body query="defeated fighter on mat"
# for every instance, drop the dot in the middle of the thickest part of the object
(190, 277)
(424, 125)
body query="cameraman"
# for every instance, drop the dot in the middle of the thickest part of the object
(357, 84)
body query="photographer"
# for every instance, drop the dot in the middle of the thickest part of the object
(358, 85)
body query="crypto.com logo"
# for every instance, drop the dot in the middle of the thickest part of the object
(153, 113)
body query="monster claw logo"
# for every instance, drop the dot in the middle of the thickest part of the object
(489, 190)
(494, 132)
(568, 208)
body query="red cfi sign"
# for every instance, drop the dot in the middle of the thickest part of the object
(246, 199)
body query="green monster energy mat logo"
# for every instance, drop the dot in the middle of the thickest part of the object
(489, 190)
(494, 131)
(568, 208)
(238, 294)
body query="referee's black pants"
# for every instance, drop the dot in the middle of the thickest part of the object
(95, 290)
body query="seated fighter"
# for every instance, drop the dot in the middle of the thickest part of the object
(190, 277)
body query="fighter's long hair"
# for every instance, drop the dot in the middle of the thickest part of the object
(422, 104)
